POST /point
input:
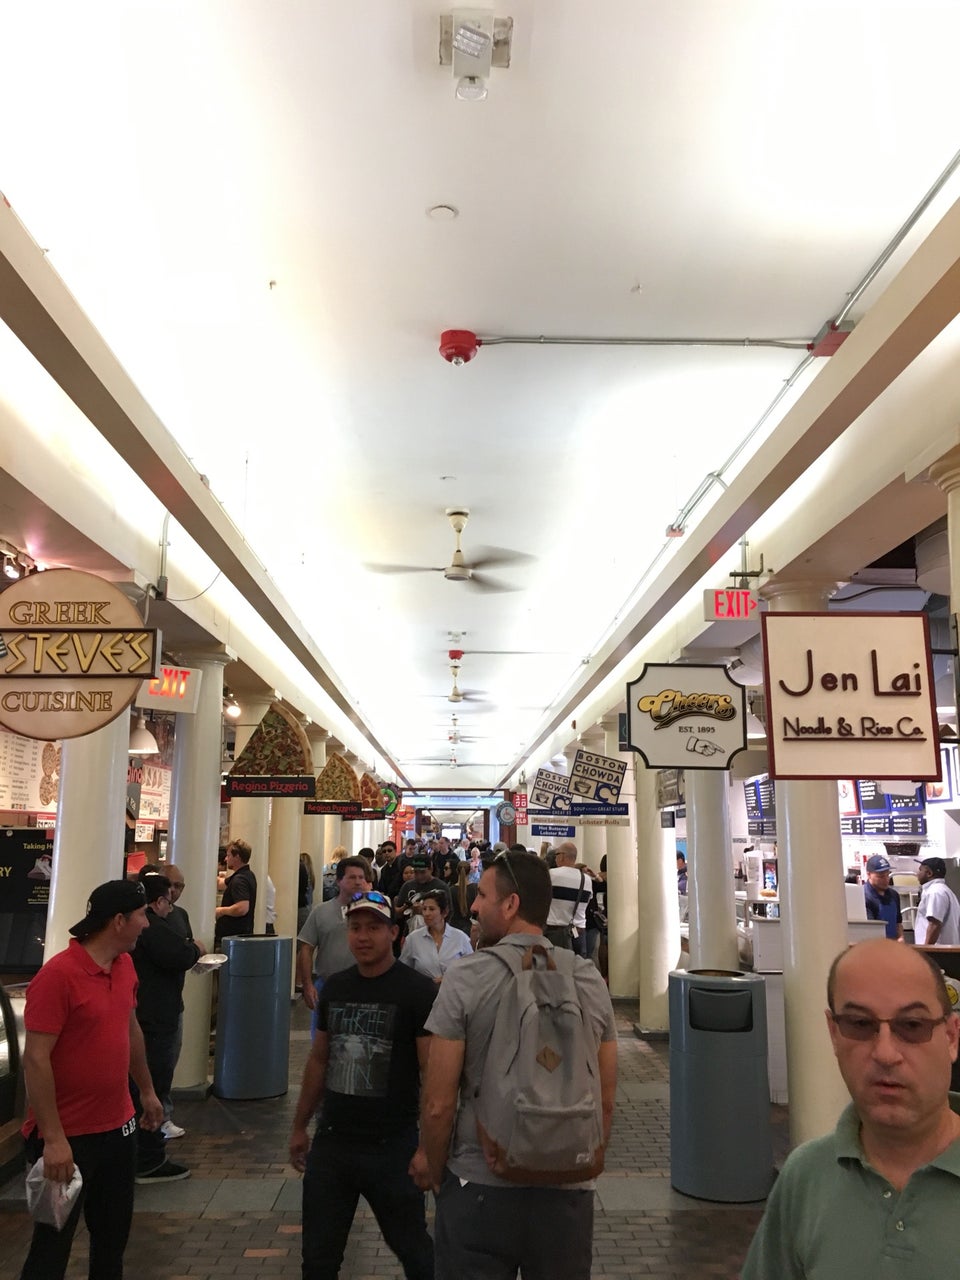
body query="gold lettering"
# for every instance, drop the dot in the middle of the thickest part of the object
(41, 611)
(86, 656)
(136, 640)
(55, 650)
(109, 652)
(20, 613)
(65, 611)
(98, 619)
(13, 646)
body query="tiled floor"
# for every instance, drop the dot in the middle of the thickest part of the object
(238, 1215)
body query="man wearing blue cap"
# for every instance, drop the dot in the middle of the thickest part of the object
(883, 903)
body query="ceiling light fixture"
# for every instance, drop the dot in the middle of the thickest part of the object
(142, 741)
(231, 707)
(471, 89)
(471, 51)
(14, 561)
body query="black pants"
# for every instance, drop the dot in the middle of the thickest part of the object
(162, 1048)
(106, 1163)
(339, 1170)
(491, 1233)
(560, 936)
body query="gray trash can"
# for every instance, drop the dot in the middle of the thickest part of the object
(720, 1144)
(252, 1058)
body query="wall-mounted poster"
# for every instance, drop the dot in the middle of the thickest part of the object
(942, 792)
(847, 795)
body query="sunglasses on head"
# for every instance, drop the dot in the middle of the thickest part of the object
(502, 859)
(909, 1028)
(372, 895)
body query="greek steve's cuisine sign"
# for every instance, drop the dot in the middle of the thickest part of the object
(73, 654)
(686, 717)
(850, 695)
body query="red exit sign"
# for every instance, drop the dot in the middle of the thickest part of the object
(729, 602)
(172, 689)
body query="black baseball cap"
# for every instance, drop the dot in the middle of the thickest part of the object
(936, 865)
(116, 897)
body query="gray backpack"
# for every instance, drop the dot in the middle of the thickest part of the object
(539, 1109)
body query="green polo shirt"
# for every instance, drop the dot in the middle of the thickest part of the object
(831, 1216)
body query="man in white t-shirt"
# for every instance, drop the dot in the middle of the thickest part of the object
(938, 913)
(572, 890)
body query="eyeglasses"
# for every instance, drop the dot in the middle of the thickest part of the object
(372, 896)
(503, 860)
(908, 1028)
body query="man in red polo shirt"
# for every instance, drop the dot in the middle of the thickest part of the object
(82, 1041)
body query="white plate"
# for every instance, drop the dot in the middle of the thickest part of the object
(212, 960)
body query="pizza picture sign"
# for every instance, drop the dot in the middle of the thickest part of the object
(277, 761)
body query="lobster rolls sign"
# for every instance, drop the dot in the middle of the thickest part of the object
(73, 654)
(850, 695)
(686, 717)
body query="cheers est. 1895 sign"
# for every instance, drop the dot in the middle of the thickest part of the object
(73, 654)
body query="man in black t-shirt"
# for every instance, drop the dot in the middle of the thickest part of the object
(364, 1073)
(235, 914)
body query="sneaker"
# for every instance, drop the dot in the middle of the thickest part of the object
(167, 1172)
(171, 1130)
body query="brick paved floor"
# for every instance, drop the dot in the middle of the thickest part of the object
(238, 1215)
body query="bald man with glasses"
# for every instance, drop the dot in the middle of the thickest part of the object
(879, 1196)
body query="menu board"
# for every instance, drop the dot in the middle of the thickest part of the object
(872, 799)
(851, 826)
(907, 804)
(29, 773)
(768, 799)
(752, 799)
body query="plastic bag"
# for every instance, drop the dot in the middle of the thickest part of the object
(51, 1202)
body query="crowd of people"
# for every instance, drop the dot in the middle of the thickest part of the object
(407, 1007)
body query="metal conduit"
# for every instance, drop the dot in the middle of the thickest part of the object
(549, 340)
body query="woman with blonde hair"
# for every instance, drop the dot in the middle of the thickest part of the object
(462, 896)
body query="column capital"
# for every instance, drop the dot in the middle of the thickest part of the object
(212, 656)
(945, 472)
(318, 733)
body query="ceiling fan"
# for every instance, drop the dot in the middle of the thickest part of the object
(458, 570)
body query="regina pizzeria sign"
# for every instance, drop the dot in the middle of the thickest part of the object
(73, 654)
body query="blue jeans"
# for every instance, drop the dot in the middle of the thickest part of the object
(106, 1164)
(162, 1048)
(340, 1169)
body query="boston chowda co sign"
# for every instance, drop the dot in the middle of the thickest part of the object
(73, 654)
(686, 717)
(850, 695)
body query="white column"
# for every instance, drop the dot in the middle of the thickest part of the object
(312, 827)
(285, 815)
(711, 910)
(194, 837)
(332, 836)
(250, 816)
(623, 927)
(88, 839)
(946, 474)
(813, 920)
(658, 912)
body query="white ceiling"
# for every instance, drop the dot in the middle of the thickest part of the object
(236, 191)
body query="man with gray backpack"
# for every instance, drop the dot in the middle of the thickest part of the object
(522, 1076)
